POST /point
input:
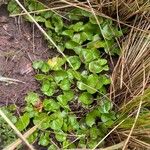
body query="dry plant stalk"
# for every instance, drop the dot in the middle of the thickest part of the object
(131, 75)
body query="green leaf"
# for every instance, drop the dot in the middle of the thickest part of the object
(94, 132)
(52, 147)
(44, 139)
(48, 88)
(45, 68)
(69, 94)
(56, 124)
(116, 33)
(34, 6)
(39, 19)
(105, 117)
(86, 98)
(72, 123)
(92, 28)
(74, 74)
(104, 79)
(48, 24)
(38, 64)
(75, 14)
(50, 105)
(90, 119)
(88, 55)
(75, 62)
(57, 22)
(32, 138)
(32, 98)
(23, 122)
(94, 21)
(68, 145)
(82, 143)
(78, 49)
(98, 66)
(111, 47)
(77, 38)
(86, 13)
(65, 84)
(107, 32)
(60, 75)
(60, 136)
(80, 37)
(85, 35)
(71, 44)
(78, 14)
(81, 85)
(13, 7)
(56, 63)
(47, 14)
(77, 27)
(68, 33)
(96, 44)
(106, 106)
(92, 81)
(63, 101)
(92, 143)
(42, 120)
(41, 77)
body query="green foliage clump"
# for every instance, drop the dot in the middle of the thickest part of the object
(7, 135)
(63, 89)
(83, 30)
(73, 110)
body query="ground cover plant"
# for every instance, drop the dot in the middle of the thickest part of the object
(73, 108)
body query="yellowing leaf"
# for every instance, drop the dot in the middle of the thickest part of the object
(55, 63)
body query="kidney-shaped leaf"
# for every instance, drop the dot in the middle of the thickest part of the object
(23, 122)
(75, 62)
(86, 98)
(98, 66)
(50, 105)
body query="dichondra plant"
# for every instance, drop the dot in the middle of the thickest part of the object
(72, 110)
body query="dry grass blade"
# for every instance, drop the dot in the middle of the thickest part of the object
(137, 143)
(10, 80)
(132, 74)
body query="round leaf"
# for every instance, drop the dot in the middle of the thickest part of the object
(90, 119)
(86, 98)
(23, 122)
(60, 75)
(32, 98)
(44, 139)
(65, 84)
(42, 120)
(48, 88)
(75, 62)
(38, 64)
(56, 124)
(98, 66)
(68, 33)
(71, 45)
(55, 63)
(60, 136)
(50, 105)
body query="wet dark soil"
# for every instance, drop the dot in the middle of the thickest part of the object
(20, 44)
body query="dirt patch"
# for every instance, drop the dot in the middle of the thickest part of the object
(20, 44)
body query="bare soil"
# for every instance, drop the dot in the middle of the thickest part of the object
(20, 44)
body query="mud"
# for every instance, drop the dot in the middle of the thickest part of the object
(20, 44)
